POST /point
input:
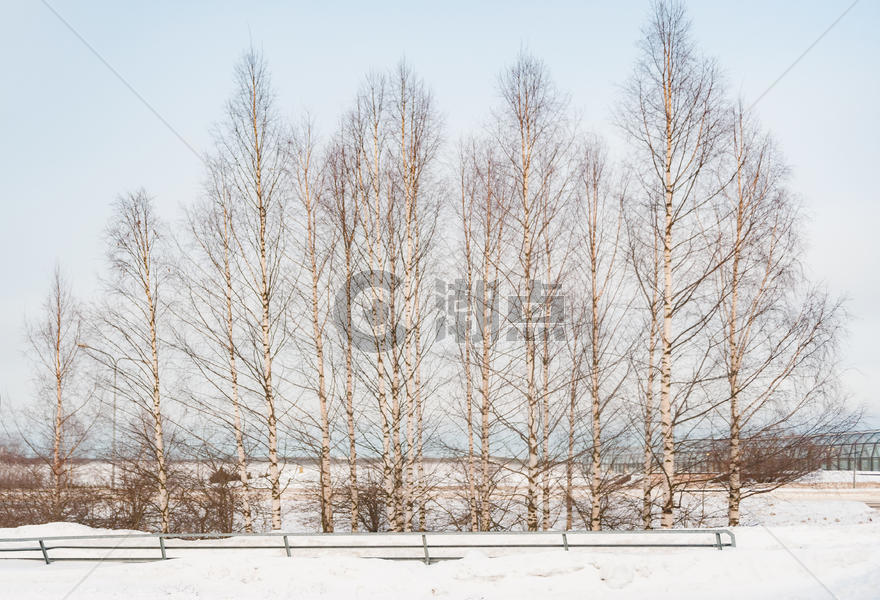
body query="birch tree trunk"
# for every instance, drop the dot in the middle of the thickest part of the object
(463, 333)
(606, 307)
(667, 432)
(57, 463)
(647, 481)
(349, 396)
(545, 372)
(161, 472)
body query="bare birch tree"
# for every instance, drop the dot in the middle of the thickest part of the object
(531, 135)
(779, 334)
(468, 195)
(393, 134)
(418, 137)
(309, 186)
(671, 115)
(212, 307)
(489, 229)
(481, 216)
(369, 139)
(252, 144)
(343, 215)
(646, 269)
(131, 323)
(606, 338)
(56, 339)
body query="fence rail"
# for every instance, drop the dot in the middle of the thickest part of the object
(403, 546)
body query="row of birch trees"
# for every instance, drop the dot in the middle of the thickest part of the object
(523, 303)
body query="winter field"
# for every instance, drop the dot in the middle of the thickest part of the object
(816, 540)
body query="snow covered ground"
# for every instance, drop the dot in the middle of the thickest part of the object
(805, 548)
(845, 558)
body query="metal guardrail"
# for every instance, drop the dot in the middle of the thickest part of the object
(289, 545)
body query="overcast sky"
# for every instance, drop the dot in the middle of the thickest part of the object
(73, 137)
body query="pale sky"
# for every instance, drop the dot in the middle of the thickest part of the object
(72, 137)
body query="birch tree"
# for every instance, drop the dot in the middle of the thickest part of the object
(131, 323)
(672, 118)
(252, 143)
(481, 219)
(779, 333)
(489, 228)
(393, 133)
(212, 309)
(343, 215)
(367, 131)
(529, 130)
(603, 261)
(468, 194)
(56, 340)
(417, 133)
(646, 269)
(309, 186)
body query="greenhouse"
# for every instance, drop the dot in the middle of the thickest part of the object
(859, 451)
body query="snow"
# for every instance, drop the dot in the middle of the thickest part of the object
(837, 540)
(845, 558)
(818, 477)
(778, 509)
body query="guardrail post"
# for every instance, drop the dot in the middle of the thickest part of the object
(162, 547)
(565, 541)
(45, 552)
(718, 540)
(425, 546)
(287, 546)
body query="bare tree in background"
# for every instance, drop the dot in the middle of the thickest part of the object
(557, 244)
(672, 117)
(56, 339)
(392, 134)
(251, 143)
(131, 323)
(577, 321)
(481, 217)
